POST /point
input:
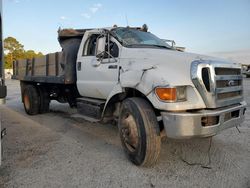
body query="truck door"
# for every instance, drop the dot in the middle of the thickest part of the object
(96, 77)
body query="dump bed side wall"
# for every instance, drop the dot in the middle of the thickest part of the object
(59, 67)
(42, 69)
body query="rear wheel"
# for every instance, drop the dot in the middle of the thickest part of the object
(139, 132)
(31, 100)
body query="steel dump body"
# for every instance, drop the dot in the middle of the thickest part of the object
(59, 67)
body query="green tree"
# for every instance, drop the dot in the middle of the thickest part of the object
(8, 60)
(29, 54)
(13, 51)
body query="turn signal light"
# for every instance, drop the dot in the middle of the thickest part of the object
(166, 94)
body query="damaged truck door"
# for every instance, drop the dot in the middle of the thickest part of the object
(99, 71)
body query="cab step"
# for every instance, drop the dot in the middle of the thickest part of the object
(90, 107)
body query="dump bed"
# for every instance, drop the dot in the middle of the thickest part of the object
(59, 67)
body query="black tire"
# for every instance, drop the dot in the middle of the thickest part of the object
(143, 145)
(31, 100)
(44, 100)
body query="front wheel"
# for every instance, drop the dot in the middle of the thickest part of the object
(139, 132)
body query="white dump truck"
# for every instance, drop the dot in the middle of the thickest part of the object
(128, 75)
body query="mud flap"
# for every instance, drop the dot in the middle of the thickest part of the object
(3, 133)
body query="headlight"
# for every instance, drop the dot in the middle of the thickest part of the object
(171, 94)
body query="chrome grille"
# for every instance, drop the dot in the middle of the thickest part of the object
(220, 84)
(221, 96)
(227, 71)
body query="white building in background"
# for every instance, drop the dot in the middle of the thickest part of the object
(8, 73)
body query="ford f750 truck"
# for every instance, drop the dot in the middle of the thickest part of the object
(129, 75)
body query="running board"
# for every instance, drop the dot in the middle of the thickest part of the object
(90, 107)
(87, 118)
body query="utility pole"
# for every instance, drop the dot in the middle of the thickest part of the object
(3, 89)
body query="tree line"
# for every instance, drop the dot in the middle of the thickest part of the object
(14, 50)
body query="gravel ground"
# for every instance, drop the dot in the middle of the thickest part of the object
(60, 150)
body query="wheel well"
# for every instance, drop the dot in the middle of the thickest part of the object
(135, 93)
(111, 108)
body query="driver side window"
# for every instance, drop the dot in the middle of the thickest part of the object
(113, 49)
(90, 46)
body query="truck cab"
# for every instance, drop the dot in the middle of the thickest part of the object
(97, 65)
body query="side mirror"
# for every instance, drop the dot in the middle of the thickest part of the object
(169, 42)
(100, 47)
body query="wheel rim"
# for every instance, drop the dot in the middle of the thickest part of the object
(129, 132)
(26, 102)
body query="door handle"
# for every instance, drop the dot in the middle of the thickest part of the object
(112, 66)
(79, 66)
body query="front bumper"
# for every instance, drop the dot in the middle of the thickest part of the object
(182, 125)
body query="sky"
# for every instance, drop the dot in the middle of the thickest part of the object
(207, 26)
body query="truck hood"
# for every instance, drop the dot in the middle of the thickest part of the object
(173, 67)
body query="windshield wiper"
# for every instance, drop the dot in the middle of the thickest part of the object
(160, 46)
(148, 45)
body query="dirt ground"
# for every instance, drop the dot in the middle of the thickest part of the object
(59, 149)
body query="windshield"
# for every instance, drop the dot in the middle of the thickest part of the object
(135, 38)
